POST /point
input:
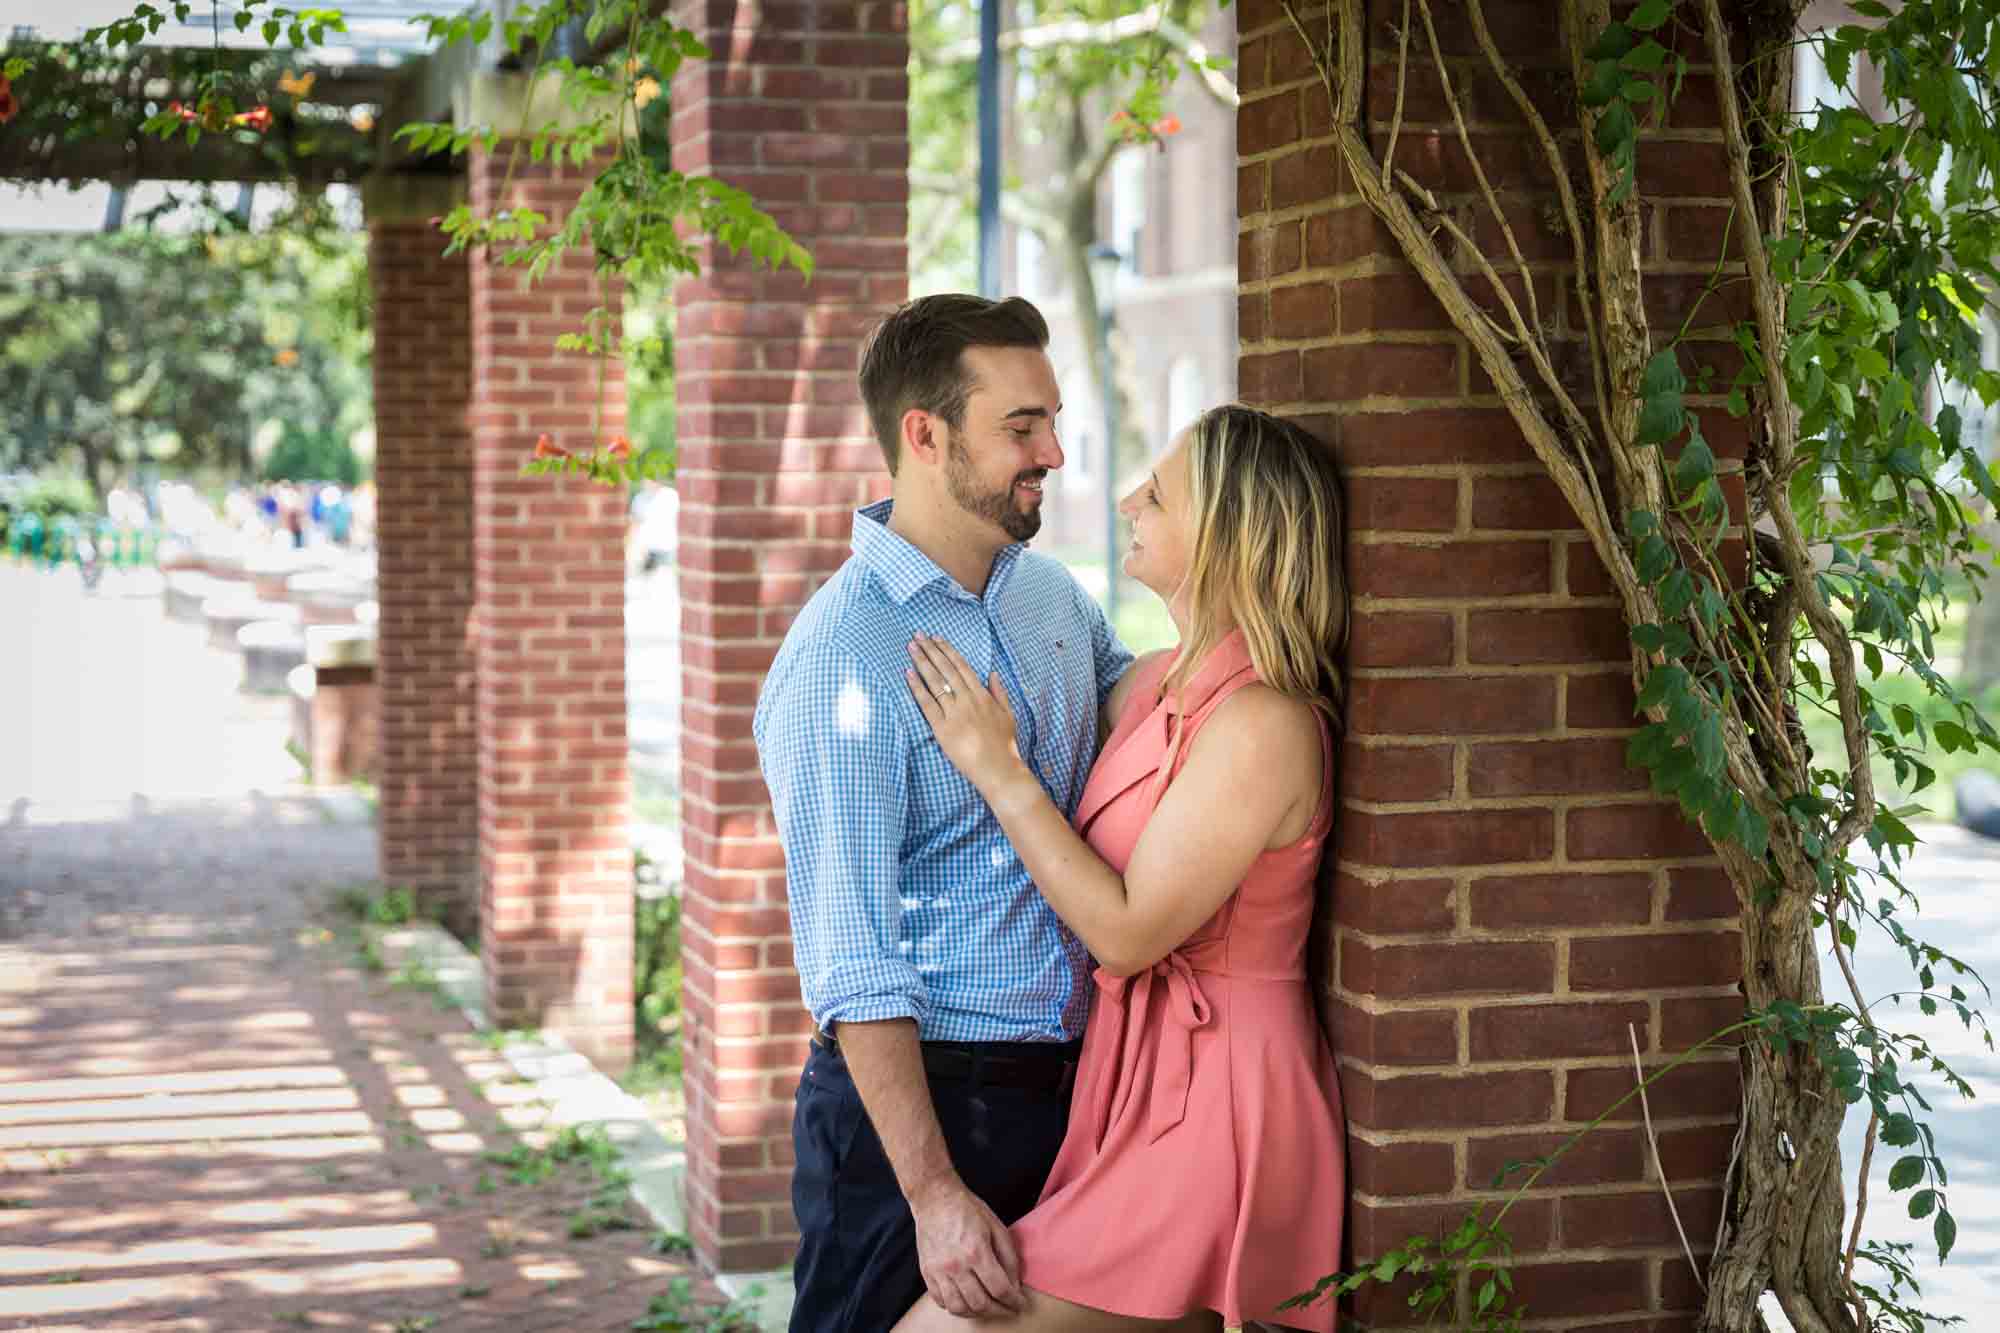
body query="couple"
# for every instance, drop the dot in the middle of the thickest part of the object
(959, 853)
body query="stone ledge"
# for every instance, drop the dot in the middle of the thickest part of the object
(579, 1094)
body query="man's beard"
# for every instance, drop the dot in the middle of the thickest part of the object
(997, 507)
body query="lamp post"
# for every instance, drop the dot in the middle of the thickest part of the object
(1105, 261)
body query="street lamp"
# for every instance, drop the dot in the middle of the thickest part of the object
(1105, 262)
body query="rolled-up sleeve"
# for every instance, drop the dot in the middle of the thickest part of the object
(830, 742)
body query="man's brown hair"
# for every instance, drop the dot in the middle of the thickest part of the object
(914, 358)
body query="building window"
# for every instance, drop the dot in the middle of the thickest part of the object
(1128, 204)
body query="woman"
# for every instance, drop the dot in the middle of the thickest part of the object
(1202, 1178)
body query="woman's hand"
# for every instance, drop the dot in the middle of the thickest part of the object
(973, 723)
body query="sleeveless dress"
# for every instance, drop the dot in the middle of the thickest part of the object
(1204, 1165)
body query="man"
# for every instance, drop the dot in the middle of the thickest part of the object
(948, 998)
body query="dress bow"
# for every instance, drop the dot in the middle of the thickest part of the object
(1171, 982)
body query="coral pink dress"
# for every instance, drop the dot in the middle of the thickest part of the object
(1205, 1163)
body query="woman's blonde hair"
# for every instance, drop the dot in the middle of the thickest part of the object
(1268, 538)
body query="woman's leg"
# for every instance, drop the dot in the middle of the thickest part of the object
(1050, 1314)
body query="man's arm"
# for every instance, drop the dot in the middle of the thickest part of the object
(967, 1258)
(829, 739)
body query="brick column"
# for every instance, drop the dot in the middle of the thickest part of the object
(548, 564)
(804, 107)
(427, 762)
(1507, 897)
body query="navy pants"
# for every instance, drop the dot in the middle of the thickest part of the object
(856, 1270)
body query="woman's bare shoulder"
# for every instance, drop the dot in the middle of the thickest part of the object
(1280, 728)
(1146, 665)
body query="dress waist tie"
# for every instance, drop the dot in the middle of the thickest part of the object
(1171, 982)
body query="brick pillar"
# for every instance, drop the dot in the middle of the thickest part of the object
(427, 767)
(1507, 897)
(804, 107)
(548, 564)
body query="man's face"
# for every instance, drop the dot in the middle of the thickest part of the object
(995, 466)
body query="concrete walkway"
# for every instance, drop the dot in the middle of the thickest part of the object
(212, 1116)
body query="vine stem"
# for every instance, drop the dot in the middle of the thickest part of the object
(1479, 169)
(1653, 1143)
(1874, 1117)
(1402, 74)
(1639, 1091)
(1783, 426)
(1559, 172)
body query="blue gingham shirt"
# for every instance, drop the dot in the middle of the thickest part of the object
(907, 901)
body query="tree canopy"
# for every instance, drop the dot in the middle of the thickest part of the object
(149, 346)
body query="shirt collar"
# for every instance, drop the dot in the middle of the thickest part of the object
(906, 571)
(1224, 662)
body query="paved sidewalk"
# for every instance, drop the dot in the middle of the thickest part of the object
(213, 1118)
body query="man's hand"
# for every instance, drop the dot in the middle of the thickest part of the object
(967, 1258)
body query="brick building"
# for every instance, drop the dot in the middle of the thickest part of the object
(1506, 904)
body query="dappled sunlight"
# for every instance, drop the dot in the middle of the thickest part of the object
(214, 1116)
(234, 1129)
(27, 1261)
(154, 1085)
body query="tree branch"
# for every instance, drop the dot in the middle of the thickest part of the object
(1012, 207)
(1151, 21)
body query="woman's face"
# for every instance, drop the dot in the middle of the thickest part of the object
(1162, 524)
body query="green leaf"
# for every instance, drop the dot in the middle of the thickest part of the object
(1661, 683)
(1616, 129)
(1649, 57)
(1945, 1231)
(1662, 375)
(1898, 1130)
(1605, 81)
(1650, 15)
(1907, 1171)
(1922, 1202)
(1660, 419)
(1695, 465)
(1612, 43)
(1655, 558)
(1676, 593)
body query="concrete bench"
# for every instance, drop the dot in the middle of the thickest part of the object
(327, 597)
(187, 590)
(231, 611)
(271, 648)
(333, 703)
(271, 571)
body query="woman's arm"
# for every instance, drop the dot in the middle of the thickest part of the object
(1249, 778)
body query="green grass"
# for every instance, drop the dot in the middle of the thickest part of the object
(654, 800)
(1890, 690)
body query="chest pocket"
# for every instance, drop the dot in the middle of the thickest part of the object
(1062, 680)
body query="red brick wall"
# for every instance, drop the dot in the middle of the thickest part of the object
(427, 771)
(548, 566)
(803, 106)
(1507, 897)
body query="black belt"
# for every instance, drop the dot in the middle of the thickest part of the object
(1036, 1066)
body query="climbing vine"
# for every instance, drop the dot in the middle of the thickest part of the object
(1867, 247)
